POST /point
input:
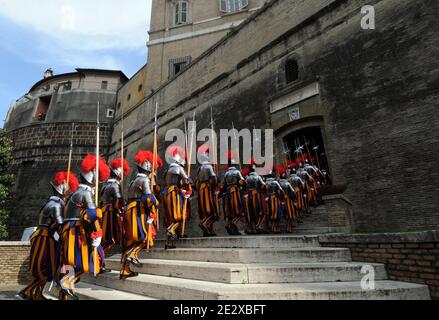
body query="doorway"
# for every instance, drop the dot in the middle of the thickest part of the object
(42, 108)
(309, 142)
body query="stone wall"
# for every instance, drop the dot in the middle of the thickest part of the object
(39, 152)
(409, 257)
(376, 101)
(14, 263)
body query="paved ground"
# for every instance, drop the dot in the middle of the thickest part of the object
(9, 292)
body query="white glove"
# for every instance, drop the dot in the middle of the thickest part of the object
(150, 221)
(96, 242)
(246, 196)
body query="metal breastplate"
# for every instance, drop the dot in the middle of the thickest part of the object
(110, 192)
(295, 181)
(174, 175)
(272, 186)
(79, 200)
(205, 173)
(232, 177)
(254, 181)
(286, 186)
(52, 212)
(139, 187)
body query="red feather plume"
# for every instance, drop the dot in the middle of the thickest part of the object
(204, 149)
(146, 155)
(61, 177)
(245, 172)
(159, 162)
(230, 155)
(89, 164)
(281, 169)
(73, 182)
(174, 150)
(104, 170)
(117, 163)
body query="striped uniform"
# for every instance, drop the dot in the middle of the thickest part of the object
(233, 204)
(177, 192)
(112, 211)
(289, 209)
(207, 199)
(255, 202)
(44, 254)
(138, 221)
(275, 192)
(81, 226)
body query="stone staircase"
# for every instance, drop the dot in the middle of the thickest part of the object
(246, 267)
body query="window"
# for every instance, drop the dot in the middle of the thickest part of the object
(118, 105)
(110, 113)
(291, 70)
(181, 12)
(140, 88)
(104, 85)
(178, 65)
(230, 6)
(129, 97)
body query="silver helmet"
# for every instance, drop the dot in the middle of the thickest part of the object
(61, 189)
(118, 172)
(89, 177)
(147, 166)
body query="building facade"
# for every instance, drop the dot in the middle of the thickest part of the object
(367, 96)
(41, 128)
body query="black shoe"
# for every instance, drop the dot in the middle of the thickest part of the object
(134, 262)
(169, 247)
(22, 296)
(127, 276)
(229, 231)
(70, 294)
(104, 270)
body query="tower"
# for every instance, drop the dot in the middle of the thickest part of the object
(181, 30)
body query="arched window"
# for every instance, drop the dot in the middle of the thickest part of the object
(291, 71)
(230, 6)
(181, 12)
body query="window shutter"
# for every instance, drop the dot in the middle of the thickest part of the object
(223, 5)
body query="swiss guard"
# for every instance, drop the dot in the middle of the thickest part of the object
(176, 195)
(140, 215)
(255, 201)
(44, 255)
(298, 185)
(113, 204)
(232, 185)
(207, 187)
(82, 232)
(287, 198)
(274, 196)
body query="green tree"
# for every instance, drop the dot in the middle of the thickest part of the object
(6, 180)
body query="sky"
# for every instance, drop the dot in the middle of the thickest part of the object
(66, 34)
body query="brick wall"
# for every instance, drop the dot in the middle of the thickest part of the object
(378, 98)
(409, 257)
(14, 263)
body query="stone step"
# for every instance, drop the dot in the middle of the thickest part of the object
(262, 241)
(254, 273)
(183, 289)
(251, 255)
(87, 291)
